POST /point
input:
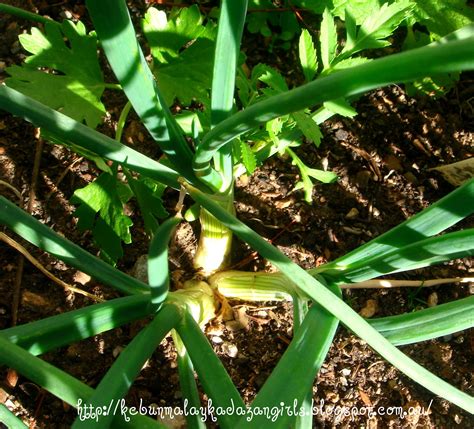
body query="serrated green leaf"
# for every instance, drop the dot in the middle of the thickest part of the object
(167, 37)
(271, 77)
(351, 29)
(183, 53)
(306, 173)
(308, 127)
(345, 64)
(340, 107)
(248, 157)
(443, 16)
(321, 175)
(328, 39)
(101, 211)
(188, 76)
(148, 194)
(434, 86)
(307, 54)
(77, 89)
(378, 26)
(359, 9)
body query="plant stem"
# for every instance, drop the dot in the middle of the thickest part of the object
(115, 86)
(121, 121)
(215, 240)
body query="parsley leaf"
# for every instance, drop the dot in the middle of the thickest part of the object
(101, 211)
(74, 84)
(182, 48)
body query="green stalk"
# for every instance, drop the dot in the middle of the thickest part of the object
(215, 240)
(230, 27)
(294, 374)
(187, 383)
(431, 221)
(420, 254)
(422, 325)
(121, 121)
(9, 419)
(158, 272)
(315, 290)
(61, 384)
(300, 311)
(66, 328)
(75, 133)
(212, 374)
(407, 66)
(253, 286)
(46, 239)
(119, 378)
(115, 31)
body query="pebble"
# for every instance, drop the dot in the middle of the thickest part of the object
(65, 14)
(341, 135)
(116, 351)
(82, 278)
(217, 340)
(230, 349)
(3, 396)
(352, 213)
(432, 300)
(370, 308)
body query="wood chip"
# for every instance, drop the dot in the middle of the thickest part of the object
(432, 300)
(81, 278)
(365, 398)
(370, 308)
(458, 172)
(11, 378)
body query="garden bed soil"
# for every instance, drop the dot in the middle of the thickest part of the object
(384, 159)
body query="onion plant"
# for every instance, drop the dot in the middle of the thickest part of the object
(205, 171)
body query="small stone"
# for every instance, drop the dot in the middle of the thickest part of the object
(32, 299)
(66, 14)
(3, 396)
(230, 349)
(341, 135)
(432, 300)
(116, 351)
(217, 340)
(352, 213)
(12, 378)
(369, 309)
(346, 371)
(140, 269)
(82, 278)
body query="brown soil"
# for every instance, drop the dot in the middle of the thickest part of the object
(383, 158)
